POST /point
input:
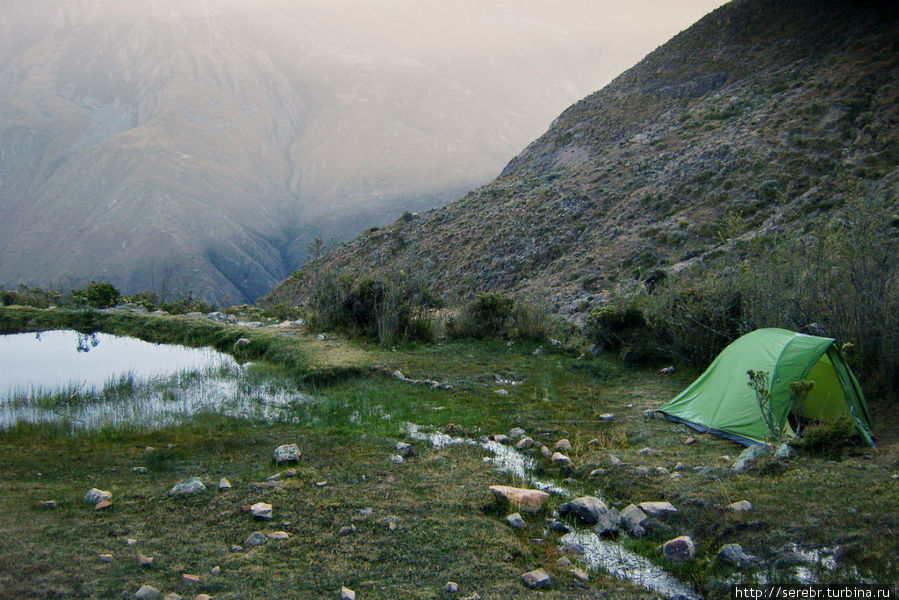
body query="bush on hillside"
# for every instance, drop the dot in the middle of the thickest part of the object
(96, 295)
(494, 314)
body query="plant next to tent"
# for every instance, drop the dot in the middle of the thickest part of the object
(758, 381)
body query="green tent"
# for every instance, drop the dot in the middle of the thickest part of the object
(722, 402)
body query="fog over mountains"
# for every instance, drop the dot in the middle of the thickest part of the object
(201, 145)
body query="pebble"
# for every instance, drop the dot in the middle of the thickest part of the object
(130, 541)
(545, 452)
(689, 440)
(203, 597)
(501, 392)
(236, 548)
(657, 508)
(192, 486)
(680, 467)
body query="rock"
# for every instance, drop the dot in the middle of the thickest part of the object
(287, 453)
(675, 476)
(608, 522)
(94, 496)
(347, 594)
(203, 597)
(347, 530)
(560, 458)
(105, 558)
(580, 574)
(524, 443)
(741, 506)
(734, 554)
(657, 508)
(680, 549)
(643, 470)
(516, 432)
(587, 508)
(662, 471)
(537, 579)
(451, 587)
(784, 452)
(680, 467)
(747, 457)
(235, 548)
(130, 541)
(501, 392)
(216, 570)
(594, 442)
(404, 449)
(255, 539)
(241, 343)
(564, 562)
(615, 461)
(597, 472)
(140, 470)
(224, 485)
(102, 504)
(689, 441)
(192, 486)
(396, 459)
(172, 596)
(501, 438)
(144, 561)
(146, 592)
(562, 445)
(47, 504)
(523, 499)
(261, 510)
(545, 452)
(516, 521)
(558, 526)
(538, 351)
(190, 579)
(607, 417)
(646, 451)
(632, 519)
(279, 535)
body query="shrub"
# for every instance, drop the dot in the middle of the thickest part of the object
(97, 295)
(828, 438)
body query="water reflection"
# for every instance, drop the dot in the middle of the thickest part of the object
(86, 341)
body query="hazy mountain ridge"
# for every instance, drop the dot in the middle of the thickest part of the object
(201, 146)
(764, 115)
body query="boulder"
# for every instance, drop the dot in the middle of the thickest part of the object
(347, 594)
(261, 510)
(404, 449)
(537, 579)
(560, 458)
(588, 509)
(192, 486)
(224, 485)
(562, 445)
(255, 539)
(287, 453)
(734, 555)
(516, 432)
(580, 574)
(747, 457)
(146, 592)
(784, 452)
(95, 496)
(679, 549)
(633, 519)
(524, 443)
(279, 535)
(516, 521)
(615, 461)
(545, 452)
(608, 522)
(523, 499)
(655, 509)
(451, 587)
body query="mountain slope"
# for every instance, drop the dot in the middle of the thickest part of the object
(764, 115)
(202, 145)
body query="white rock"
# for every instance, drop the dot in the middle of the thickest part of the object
(95, 496)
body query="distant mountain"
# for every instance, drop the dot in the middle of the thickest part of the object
(201, 145)
(765, 115)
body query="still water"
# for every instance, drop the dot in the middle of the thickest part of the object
(57, 360)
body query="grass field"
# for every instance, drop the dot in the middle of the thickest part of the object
(446, 524)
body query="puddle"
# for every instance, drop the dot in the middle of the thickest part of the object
(598, 554)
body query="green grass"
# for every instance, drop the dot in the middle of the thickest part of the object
(447, 526)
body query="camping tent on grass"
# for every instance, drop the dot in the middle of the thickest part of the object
(722, 402)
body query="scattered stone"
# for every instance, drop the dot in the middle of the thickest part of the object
(146, 592)
(190, 579)
(172, 596)
(192, 486)
(615, 461)
(203, 597)
(747, 457)
(580, 574)
(130, 541)
(261, 510)
(607, 417)
(643, 470)
(236, 548)
(524, 443)
(608, 522)
(320, 484)
(646, 451)
(102, 504)
(453, 429)
(451, 587)
(347, 594)
(216, 570)
(689, 441)
(657, 508)
(347, 530)
(587, 508)
(256, 539)
(224, 485)
(734, 554)
(564, 562)
(140, 470)
(557, 526)
(241, 343)
(95, 496)
(396, 459)
(675, 476)
(538, 351)
(516, 521)
(279, 535)
(597, 472)
(662, 471)
(680, 549)
(537, 579)
(501, 438)
(501, 392)
(784, 452)
(47, 504)
(321, 337)
(265, 485)
(560, 458)
(144, 561)
(545, 452)
(404, 449)
(632, 519)
(523, 499)
(680, 467)
(516, 432)
(562, 445)
(741, 506)
(594, 442)
(287, 453)
(725, 458)
(105, 558)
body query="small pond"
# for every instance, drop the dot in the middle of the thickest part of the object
(91, 381)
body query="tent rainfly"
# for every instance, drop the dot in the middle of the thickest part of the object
(721, 401)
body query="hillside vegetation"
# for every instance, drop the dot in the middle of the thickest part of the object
(749, 164)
